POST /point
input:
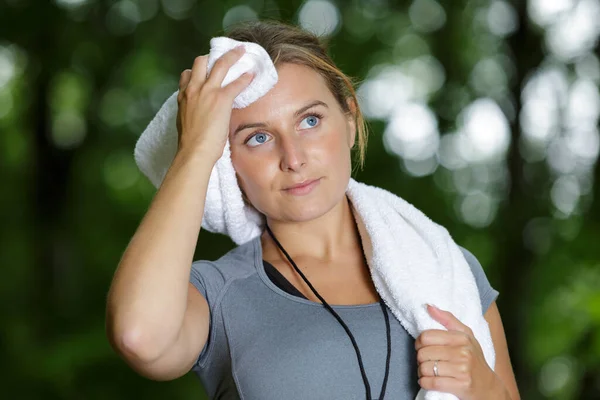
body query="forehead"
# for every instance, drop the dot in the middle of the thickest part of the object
(296, 86)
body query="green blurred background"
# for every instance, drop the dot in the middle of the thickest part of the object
(483, 113)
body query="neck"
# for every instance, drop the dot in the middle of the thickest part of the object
(325, 239)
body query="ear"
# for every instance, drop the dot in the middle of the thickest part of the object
(351, 121)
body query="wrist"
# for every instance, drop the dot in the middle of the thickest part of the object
(196, 156)
(500, 392)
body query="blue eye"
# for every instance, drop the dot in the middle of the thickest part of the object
(312, 120)
(259, 138)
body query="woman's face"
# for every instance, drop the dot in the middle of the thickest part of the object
(297, 132)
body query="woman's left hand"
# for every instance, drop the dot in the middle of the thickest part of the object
(461, 365)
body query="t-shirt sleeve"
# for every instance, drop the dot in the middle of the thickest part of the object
(487, 294)
(209, 281)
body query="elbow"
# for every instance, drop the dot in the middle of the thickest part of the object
(134, 347)
(132, 343)
(143, 355)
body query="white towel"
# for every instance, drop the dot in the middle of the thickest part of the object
(224, 210)
(412, 260)
(255, 59)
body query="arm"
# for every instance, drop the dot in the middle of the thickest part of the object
(151, 307)
(155, 318)
(507, 384)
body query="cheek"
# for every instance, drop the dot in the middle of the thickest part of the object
(240, 165)
(335, 146)
(253, 175)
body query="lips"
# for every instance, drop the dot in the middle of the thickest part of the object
(302, 188)
(301, 184)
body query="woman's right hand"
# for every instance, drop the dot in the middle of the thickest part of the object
(205, 107)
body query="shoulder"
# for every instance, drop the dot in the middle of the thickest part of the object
(471, 259)
(211, 277)
(487, 294)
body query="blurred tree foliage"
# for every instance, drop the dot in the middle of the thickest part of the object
(80, 79)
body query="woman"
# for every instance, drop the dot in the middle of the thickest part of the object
(250, 324)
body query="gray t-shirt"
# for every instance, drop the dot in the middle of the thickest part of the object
(267, 344)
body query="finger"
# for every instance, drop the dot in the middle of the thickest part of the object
(222, 65)
(437, 337)
(442, 384)
(447, 319)
(198, 76)
(184, 80)
(445, 369)
(233, 89)
(432, 353)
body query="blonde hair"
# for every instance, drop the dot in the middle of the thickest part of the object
(290, 44)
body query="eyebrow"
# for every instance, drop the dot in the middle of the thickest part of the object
(296, 114)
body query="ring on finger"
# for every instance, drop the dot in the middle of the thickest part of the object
(435, 368)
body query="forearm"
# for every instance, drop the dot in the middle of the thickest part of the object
(147, 299)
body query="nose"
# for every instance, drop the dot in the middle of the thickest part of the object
(293, 155)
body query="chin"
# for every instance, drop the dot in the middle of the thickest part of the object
(307, 214)
(304, 209)
(308, 210)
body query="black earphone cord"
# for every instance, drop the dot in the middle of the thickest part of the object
(328, 307)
